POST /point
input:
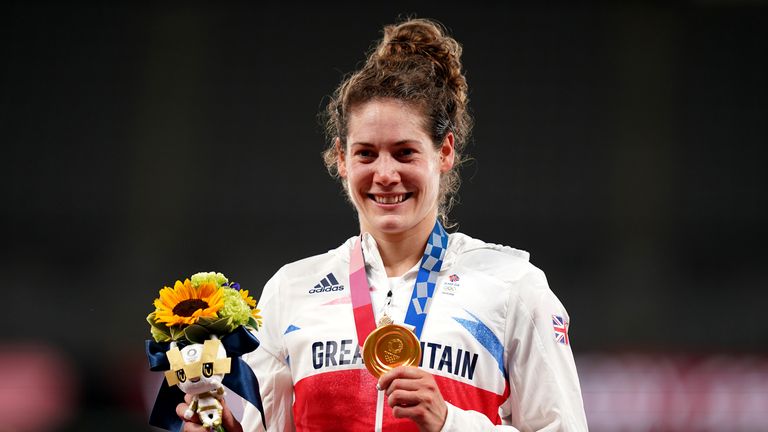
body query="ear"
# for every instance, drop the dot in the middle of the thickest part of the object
(447, 154)
(341, 165)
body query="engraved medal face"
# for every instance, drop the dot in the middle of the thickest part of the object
(388, 347)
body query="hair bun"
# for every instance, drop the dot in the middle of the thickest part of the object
(421, 38)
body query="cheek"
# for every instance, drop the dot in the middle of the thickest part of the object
(352, 187)
(430, 178)
(358, 176)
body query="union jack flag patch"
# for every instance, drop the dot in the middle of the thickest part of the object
(561, 329)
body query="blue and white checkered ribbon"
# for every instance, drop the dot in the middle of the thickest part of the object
(424, 289)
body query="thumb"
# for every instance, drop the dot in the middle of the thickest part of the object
(229, 421)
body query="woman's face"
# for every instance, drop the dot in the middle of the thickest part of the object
(392, 169)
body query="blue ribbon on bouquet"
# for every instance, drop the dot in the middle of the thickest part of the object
(240, 378)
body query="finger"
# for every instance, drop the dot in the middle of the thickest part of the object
(405, 384)
(403, 398)
(193, 427)
(181, 410)
(415, 413)
(408, 372)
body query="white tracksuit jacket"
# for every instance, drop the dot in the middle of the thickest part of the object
(489, 340)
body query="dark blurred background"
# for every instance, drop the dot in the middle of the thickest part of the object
(623, 145)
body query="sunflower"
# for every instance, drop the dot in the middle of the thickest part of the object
(254, 312)
(248, 299)
(184, 304)
(256, 317)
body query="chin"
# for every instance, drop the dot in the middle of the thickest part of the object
(390, 227)
(389, 224)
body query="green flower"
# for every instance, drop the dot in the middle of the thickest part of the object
(217, 279)
(235, 307)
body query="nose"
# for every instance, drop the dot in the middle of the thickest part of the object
(386, 170)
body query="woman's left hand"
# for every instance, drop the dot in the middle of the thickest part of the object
(413, 393)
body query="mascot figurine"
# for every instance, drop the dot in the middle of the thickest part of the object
(198, 370)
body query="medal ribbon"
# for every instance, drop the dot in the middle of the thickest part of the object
(361, 296)
(423, 289)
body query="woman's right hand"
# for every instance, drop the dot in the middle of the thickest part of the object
(228, 421)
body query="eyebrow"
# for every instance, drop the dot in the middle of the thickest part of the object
(396, 144)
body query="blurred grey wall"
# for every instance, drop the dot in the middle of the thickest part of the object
(623, 146)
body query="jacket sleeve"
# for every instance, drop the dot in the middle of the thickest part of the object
(465, 420)
(270, 365)
(545, 394)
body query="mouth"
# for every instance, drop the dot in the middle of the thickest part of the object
(390, 199)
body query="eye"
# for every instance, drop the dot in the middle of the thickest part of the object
(406, 153)
(181, 375)
(207, 369)
(365, 154)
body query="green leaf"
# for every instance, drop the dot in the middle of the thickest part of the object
(159, 335)
(177, 333)
(197, 333)
(160, 329)
(253, 323)
(151, 319)
(206, 321)
(221, 326)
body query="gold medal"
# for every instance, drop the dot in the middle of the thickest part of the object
(390, 346)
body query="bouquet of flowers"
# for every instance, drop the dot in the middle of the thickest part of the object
(200, 328)
(204, 305)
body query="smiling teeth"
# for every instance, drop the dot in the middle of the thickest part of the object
(390, 199)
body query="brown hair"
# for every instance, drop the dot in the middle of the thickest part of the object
(418, 63)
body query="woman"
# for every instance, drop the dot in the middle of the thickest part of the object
(493, 335)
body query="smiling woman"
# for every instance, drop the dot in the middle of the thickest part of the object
(469, 337)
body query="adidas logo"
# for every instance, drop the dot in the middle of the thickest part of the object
(329, 283)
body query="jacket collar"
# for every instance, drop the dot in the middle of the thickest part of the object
(458, 244)
(373, 261)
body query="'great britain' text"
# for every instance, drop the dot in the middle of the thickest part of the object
(434, 356)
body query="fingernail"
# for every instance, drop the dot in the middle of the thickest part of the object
(378, 387)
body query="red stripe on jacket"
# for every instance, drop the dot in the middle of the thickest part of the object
(346, 401)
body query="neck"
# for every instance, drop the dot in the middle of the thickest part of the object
(401, 251)
(399, 256)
